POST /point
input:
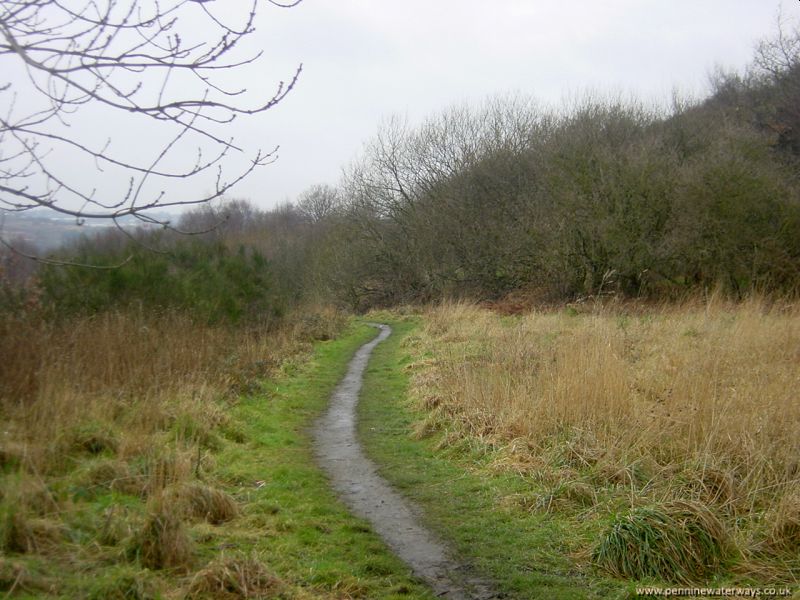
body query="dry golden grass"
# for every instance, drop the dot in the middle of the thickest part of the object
(163, 542)
(234, 578)
(198, 501)
(106, 383)
(15, 576)
(24, 535)
(123, 403)
(696, 402)
(785, 532)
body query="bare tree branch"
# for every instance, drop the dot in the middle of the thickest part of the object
(149, 62)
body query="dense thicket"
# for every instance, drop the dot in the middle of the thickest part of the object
(208, 280)
(605, 195)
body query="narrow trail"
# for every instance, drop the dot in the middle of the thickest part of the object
(369, 496)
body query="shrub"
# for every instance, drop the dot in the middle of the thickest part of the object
(206, 279)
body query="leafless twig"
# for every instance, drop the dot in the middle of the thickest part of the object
(148, 61)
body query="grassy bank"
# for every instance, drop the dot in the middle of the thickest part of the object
(465, 498)
(576, 452)
(147, 456)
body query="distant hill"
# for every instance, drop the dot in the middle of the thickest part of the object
(46, 230)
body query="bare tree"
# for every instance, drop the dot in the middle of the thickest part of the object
(319, 202)
(777, 61)
(71, 69)
(780, 53)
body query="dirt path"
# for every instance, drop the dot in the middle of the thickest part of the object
(369, 496)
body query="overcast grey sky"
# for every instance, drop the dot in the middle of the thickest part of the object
(366, 60)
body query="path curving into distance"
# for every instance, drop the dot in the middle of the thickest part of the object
(369, 496)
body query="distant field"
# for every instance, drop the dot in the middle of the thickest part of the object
(665, 438)
(48, 231)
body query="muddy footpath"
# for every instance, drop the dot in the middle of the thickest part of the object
(355, 478)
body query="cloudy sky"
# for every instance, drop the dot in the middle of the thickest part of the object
(364, 61)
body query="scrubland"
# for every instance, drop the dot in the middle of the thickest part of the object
(112, 428)
(665, 436)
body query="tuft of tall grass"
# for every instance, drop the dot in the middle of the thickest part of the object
(22, 534)
(163, 542)
(235, 578)
(198, 501)
(680, 541)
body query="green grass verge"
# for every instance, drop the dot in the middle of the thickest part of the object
(293, 521)
(526, 553)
